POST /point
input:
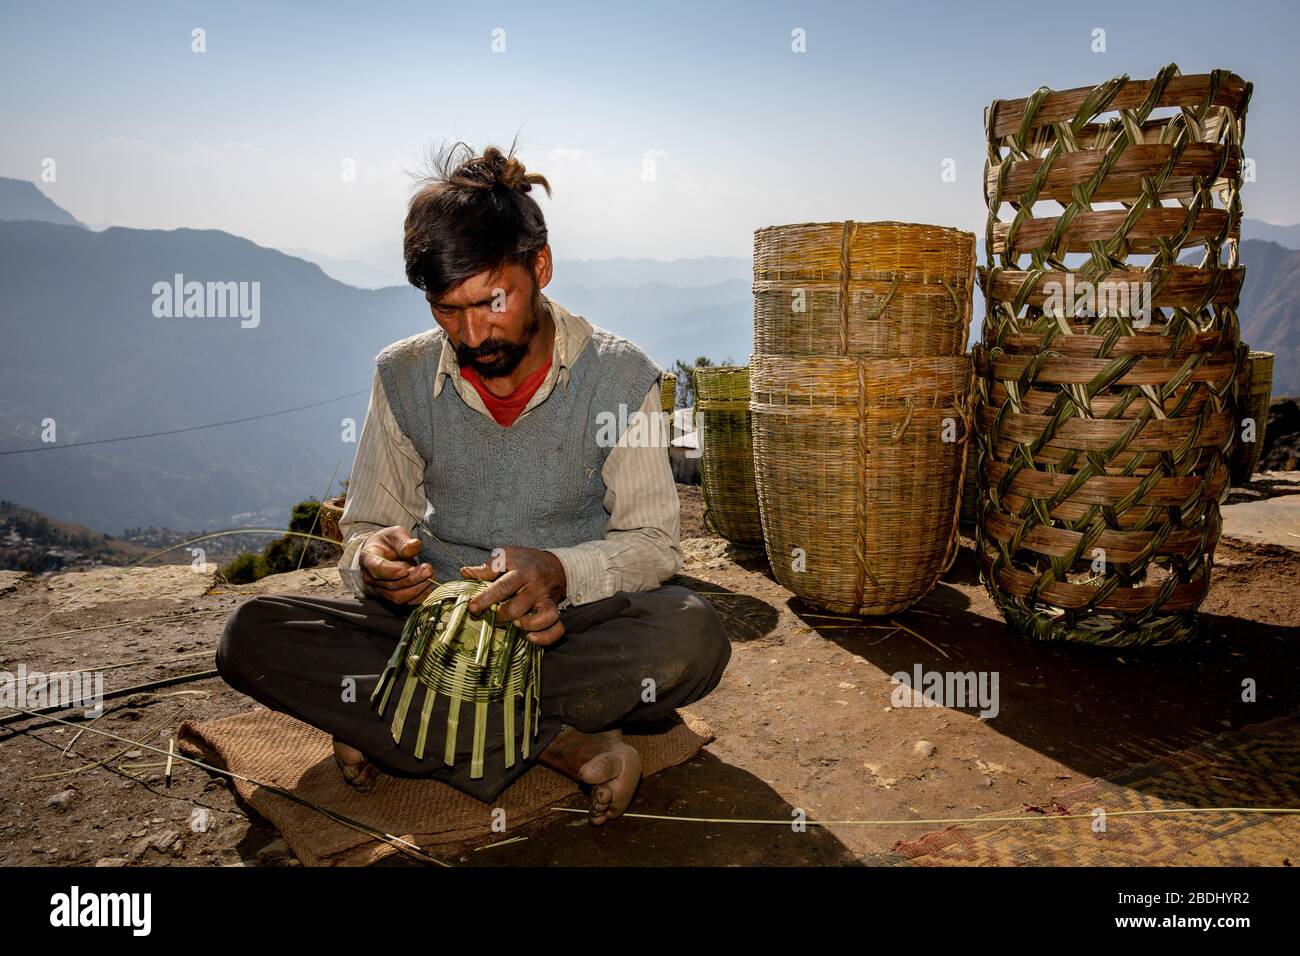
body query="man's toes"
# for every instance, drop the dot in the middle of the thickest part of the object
(601, 769)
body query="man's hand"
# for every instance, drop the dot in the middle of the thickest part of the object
(389, 570)
(534, 582)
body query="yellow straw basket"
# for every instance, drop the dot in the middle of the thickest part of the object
(878, 289)
(858, 465)
(1254, 397)
(668, 400)
(727, 459)
(668, 392)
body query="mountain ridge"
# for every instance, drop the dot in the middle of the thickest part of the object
(83, 348)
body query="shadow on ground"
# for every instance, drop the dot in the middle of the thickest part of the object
(1094, 709)
(702, 782)
(745, 617)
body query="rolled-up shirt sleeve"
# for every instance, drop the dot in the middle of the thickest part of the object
(641, 547)
(385, 459)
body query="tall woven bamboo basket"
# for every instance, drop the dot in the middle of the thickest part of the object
(970, 491)
(877, 289)
(668, 400)
(668, 392)
(727, 455)
(858, 465)
(1103, 425)
(1254, 398)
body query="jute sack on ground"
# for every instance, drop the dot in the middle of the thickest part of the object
(276, 749)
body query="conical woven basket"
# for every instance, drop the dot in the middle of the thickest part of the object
(858, 465)
(492, 670)
(1254, 397)
(1104, 423)
(872, 289)
(727, 456)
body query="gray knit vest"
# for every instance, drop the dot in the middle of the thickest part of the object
(538, 483)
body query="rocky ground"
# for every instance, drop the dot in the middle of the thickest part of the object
(804, 714)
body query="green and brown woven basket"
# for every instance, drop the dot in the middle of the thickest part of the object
(727, 454)
(1104, 425)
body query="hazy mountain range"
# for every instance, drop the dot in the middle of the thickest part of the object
(86, 343)
(84, 348)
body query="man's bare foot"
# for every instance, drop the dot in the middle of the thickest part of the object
(358, 772)
(611, 767)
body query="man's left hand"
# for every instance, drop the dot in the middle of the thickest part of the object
(529, 584)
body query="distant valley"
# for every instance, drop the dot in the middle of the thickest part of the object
(83, 350)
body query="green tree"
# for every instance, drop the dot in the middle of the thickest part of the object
(287, 553)
(245, 569)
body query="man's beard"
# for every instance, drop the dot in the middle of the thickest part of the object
(502, 357)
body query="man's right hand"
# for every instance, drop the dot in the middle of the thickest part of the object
(388, 567)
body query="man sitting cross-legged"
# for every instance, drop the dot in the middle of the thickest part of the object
(519, 475)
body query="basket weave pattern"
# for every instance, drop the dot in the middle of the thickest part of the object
(860, 404)
(874, 289)
(668, 392)
(854, 472)
(1255, 395)
(1103, 433)
(727, 462)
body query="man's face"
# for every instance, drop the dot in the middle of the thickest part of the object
(492, 318)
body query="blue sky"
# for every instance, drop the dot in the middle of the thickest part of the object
(251, 135)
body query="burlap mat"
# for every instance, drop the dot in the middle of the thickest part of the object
(277, 749)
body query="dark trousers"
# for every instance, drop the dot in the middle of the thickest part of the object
(629, 659)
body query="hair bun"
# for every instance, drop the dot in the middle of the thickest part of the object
(514, 176)
(502, 170)
(495, 168)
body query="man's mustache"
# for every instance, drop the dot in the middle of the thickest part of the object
(490, 347)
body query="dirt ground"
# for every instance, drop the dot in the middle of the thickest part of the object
(803, 717)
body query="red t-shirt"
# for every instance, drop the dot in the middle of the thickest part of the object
(506, 410)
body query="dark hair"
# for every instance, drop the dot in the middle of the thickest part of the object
(471, 214)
